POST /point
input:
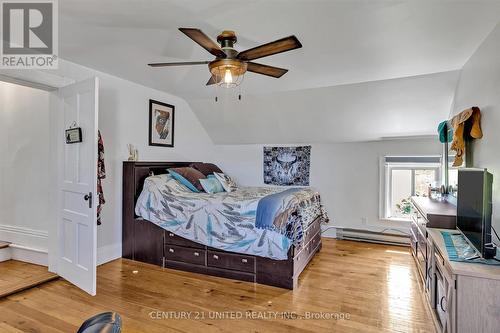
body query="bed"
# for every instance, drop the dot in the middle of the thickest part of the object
(218, 234)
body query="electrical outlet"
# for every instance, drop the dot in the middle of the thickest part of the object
(363, 220)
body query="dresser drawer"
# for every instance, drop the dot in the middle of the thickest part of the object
(185, 254)
(239, 262)
(413, 243)
(414, 229)
(422, 245)
(421, 263)
(173, 239)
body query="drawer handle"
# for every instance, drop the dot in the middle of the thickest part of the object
(196, 254)
(216, 257)
(171, 250)
(170, 234)
(244, 260)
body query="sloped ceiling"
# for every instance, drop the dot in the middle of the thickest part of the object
(346, 113)
(367, 69)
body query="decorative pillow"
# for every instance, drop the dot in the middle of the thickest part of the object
(227, 183)
(211, 185)
(188, 177)
(206, 168)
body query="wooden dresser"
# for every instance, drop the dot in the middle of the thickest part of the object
(463, 297)
(428, 213)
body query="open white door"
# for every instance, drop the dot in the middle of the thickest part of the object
(77, 225)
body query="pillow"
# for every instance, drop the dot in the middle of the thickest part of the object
(188, 177)
(174, 185)
(157, 181)
(206, 168)
(227, 183)
(211, 185)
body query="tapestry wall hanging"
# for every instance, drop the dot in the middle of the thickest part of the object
(286, 166)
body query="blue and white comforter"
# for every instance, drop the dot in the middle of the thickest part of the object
(227, 221)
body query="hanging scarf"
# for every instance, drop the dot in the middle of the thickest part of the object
(101, 174)
(472, 115)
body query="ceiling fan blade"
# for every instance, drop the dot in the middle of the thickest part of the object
(278, 46)
(164, 64)
(213, 80)
(266, 70)
(199, 37)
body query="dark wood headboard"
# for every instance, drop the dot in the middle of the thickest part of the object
(134, 174)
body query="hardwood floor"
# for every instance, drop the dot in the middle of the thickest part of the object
(374, 287)
(17, 275)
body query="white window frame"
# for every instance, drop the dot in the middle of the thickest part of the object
(386, 168)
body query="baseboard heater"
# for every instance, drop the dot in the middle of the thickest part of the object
(372, 236)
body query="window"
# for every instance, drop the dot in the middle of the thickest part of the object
(404, 177)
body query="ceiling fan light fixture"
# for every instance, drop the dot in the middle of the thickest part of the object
(228, 77)
(228, 73)
(230, 66)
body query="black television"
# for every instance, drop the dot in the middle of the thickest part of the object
(474, 204)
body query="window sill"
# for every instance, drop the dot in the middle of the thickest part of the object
(396, 219)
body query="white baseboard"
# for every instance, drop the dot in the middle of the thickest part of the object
(29, 254)
(108, 253)
(24, 253)
(5, 254)
(372, 236)
(32, 238)
(28, 245)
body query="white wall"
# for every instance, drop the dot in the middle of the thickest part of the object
(346, 175)
(24, 165)
(123, 119)
(479, 85)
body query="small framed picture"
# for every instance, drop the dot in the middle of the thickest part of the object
(161, 124)
(74, 135)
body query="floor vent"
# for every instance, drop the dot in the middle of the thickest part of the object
(372, 236)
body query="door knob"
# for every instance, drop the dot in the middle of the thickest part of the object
(88, 197)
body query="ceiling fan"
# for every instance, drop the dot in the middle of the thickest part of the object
(229, 65)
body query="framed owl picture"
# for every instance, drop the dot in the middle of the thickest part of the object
(161, 124)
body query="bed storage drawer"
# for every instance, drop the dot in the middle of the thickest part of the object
(185, 254)
(313, 244)
(310, 232)
(308, 235)
(171, 238)
(238, 262)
